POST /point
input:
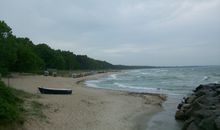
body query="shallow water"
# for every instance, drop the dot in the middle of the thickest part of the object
(174, 82)
(165, 120)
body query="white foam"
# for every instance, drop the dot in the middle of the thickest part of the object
(93, 81)
(205, 78)
(133, 87)
(217, 82)
(161, 70)
(145, 73)
(90, 84)
(113, 76)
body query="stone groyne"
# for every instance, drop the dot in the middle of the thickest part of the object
(201, 110)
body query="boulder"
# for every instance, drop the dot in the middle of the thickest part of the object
(207, 123)
(202, 114)
(187, 123)
(180, 106)
(192, 126)
(190, 99)
(217, 123)
(218, 91)
(180, 115)
(201, 110)
(186, 106)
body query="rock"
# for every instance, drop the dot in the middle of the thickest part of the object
(198, 88)
(179, 106)
(180, 115)
(187, 123)
(201, 110)
(191, 99)
(213, 107)
(202, 114)
(186, 106)
(218, 91)
(207, 123)
(197, 101)
(195, 106)
(217, 123)
(201, 93)
(192, 126)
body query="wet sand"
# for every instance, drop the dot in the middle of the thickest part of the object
(87, 108)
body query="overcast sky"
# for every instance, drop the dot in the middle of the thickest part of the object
(131, 32)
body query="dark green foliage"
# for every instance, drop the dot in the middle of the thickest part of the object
(52, 58)
(10, 105)
(15, 108)
(8, 56)
(7, 48)
(71, 62)
(5, 30)
(88, 63)
(46, 54)
(27, 61)
(21, 55)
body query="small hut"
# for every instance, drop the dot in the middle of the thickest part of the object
(54, 74)
(46, 73)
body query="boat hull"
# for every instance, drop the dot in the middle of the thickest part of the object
(54, 91)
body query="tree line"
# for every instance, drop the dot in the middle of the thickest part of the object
(21, 55)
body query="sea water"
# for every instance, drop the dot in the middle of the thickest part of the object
(176, 83)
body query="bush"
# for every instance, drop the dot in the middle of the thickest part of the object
(10, 105)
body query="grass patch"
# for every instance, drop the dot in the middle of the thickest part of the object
(16, 106)
(35, 109)
(10, 105)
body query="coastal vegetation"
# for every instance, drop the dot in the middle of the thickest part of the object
(21, 55)
(16, 106)
(11, 105)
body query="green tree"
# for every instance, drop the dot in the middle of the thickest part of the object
(7, 48)
(71, 62)
(21, 55)
(52, 58)
(5, 30)
(27, 61)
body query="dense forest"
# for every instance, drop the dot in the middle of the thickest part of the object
(22, 55)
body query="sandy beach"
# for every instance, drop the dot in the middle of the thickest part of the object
(87, 108)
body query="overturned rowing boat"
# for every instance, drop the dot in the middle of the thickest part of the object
(54, 91)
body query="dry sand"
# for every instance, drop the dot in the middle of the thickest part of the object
(87, 108)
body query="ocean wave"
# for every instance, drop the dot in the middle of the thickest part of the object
(134, 87)
(174, 82)
(146, 73)
(216, 74)
(89, 84)
(205, 78)
(161, 70)
(217, 82)
(113, 76)
(92, 82)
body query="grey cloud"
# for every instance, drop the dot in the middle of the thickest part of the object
(175, 32)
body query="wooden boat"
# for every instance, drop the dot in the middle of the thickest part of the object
(54, 91)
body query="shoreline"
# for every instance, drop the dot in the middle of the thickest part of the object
(88, 108)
